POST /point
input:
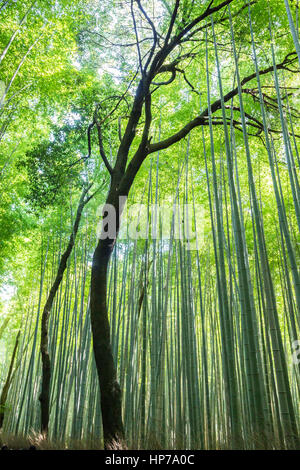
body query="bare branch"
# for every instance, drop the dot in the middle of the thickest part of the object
(86, 157)
(209, 11)
(102, 151)
(137, 39)
(172, 22)
(167, 82)
(154, 34)
(115, 44)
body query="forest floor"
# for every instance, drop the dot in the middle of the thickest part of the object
(37, 441)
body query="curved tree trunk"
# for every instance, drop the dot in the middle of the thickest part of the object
(109, 387)
(111, 397)
(46, 364)
(6, 386)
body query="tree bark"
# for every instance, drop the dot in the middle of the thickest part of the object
(110, 390)
(111, 397)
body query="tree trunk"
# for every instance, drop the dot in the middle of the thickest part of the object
(6, 386)
(46, 374)
(109, 387)
(111, 399)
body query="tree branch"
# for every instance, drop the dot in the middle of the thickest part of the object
(137, 39)
(172, 22)
(154, 34)
(220, 21)
(142, 91)
(102, 151)
(200, 120)
(209, 11)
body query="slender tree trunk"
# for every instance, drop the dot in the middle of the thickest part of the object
(6, 386)
(46, 365)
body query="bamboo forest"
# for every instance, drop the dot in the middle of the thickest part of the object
(150, 224)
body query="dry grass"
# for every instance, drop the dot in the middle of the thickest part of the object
(41, 442)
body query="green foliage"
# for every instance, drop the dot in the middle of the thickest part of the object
(215, 325)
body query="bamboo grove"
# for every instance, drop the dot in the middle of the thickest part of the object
(204, 340)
